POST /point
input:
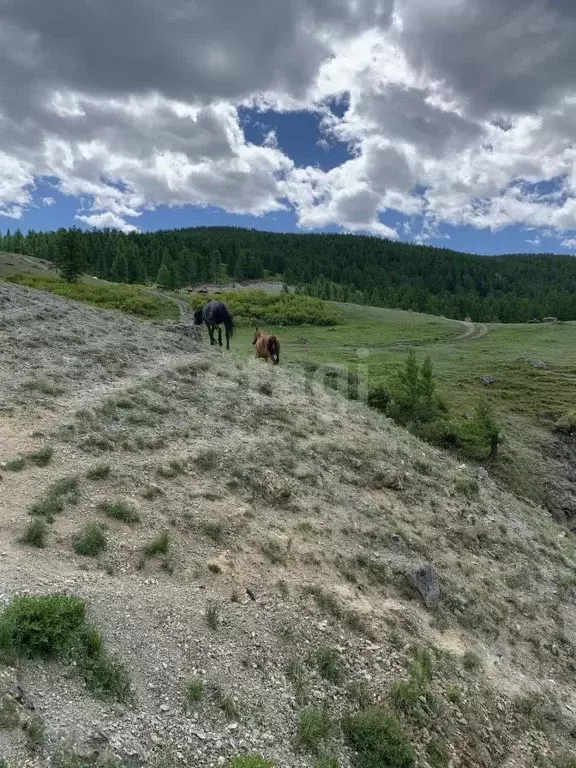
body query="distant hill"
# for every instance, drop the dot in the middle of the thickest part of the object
(365, 270)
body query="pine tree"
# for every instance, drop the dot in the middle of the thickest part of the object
(71, 254)
(165, 277)
(119, 269)
(427, 385)
(408, 381)
(215, 266)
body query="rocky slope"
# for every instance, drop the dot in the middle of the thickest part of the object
(291, 520)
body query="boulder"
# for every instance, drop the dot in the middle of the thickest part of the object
(425, 582)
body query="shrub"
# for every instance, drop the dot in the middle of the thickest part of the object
(326, 761)
(62, 492)
(275, 309)
(160, 545)
(98, 472)
(119, 510)
(251, 761)
(35, 534)
(42, 457)
(212, 615)
(314, 728)
(194, 691)
(91, 541)
(55, 627)
(44, 386)
(35, 732)
(329, 664)
(378, 740)
(438, 754)
(46, 627)
(15, 465)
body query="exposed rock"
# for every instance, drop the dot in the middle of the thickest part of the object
(488, 380)
(425, 581)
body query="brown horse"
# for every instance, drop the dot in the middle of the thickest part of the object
(267, 347)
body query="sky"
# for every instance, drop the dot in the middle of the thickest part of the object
(448, 122)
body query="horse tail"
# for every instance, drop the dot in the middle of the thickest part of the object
(229, 324)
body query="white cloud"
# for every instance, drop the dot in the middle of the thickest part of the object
(107, 221)
(48, 202)
(455, 111)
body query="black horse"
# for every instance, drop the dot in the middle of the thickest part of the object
(214, 314)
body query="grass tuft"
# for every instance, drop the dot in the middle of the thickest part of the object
(91, 541)
(194, 691)
(35, 533)
(120, 510)
(55, 627)
(160, 545)
(212, 616)
(44, 386)
(42, 457)
(329, 664)
(98, 472)
(15, 465)
(314, 729)
(62, 492)
(225, 702)
(251, 761)
(378, 740)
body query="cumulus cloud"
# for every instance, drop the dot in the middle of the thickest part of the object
(454, 111)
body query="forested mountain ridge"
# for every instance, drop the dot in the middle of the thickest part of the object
(361, 269)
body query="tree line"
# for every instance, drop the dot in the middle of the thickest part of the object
(359, 269)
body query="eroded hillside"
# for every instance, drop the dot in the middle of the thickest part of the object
(259, 540)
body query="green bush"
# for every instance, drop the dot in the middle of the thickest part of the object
(15, 465)
(160, 545)
(42, 457)
(35, 534)
(55, 627)
(251, 761)
(438, 754)
(378, 740)
(119, 510)
(249, 307)
(98, 472)
(91, 541)
(62, 492)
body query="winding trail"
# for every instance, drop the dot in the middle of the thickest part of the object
(186, 311)
(473, 330)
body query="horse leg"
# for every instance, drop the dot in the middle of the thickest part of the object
(211, 334)
(219, 336)
(227, 338)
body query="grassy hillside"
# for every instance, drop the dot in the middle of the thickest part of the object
(259, 569)
(132, 299)
(526, 400)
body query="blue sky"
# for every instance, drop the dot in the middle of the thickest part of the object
(386, 118)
